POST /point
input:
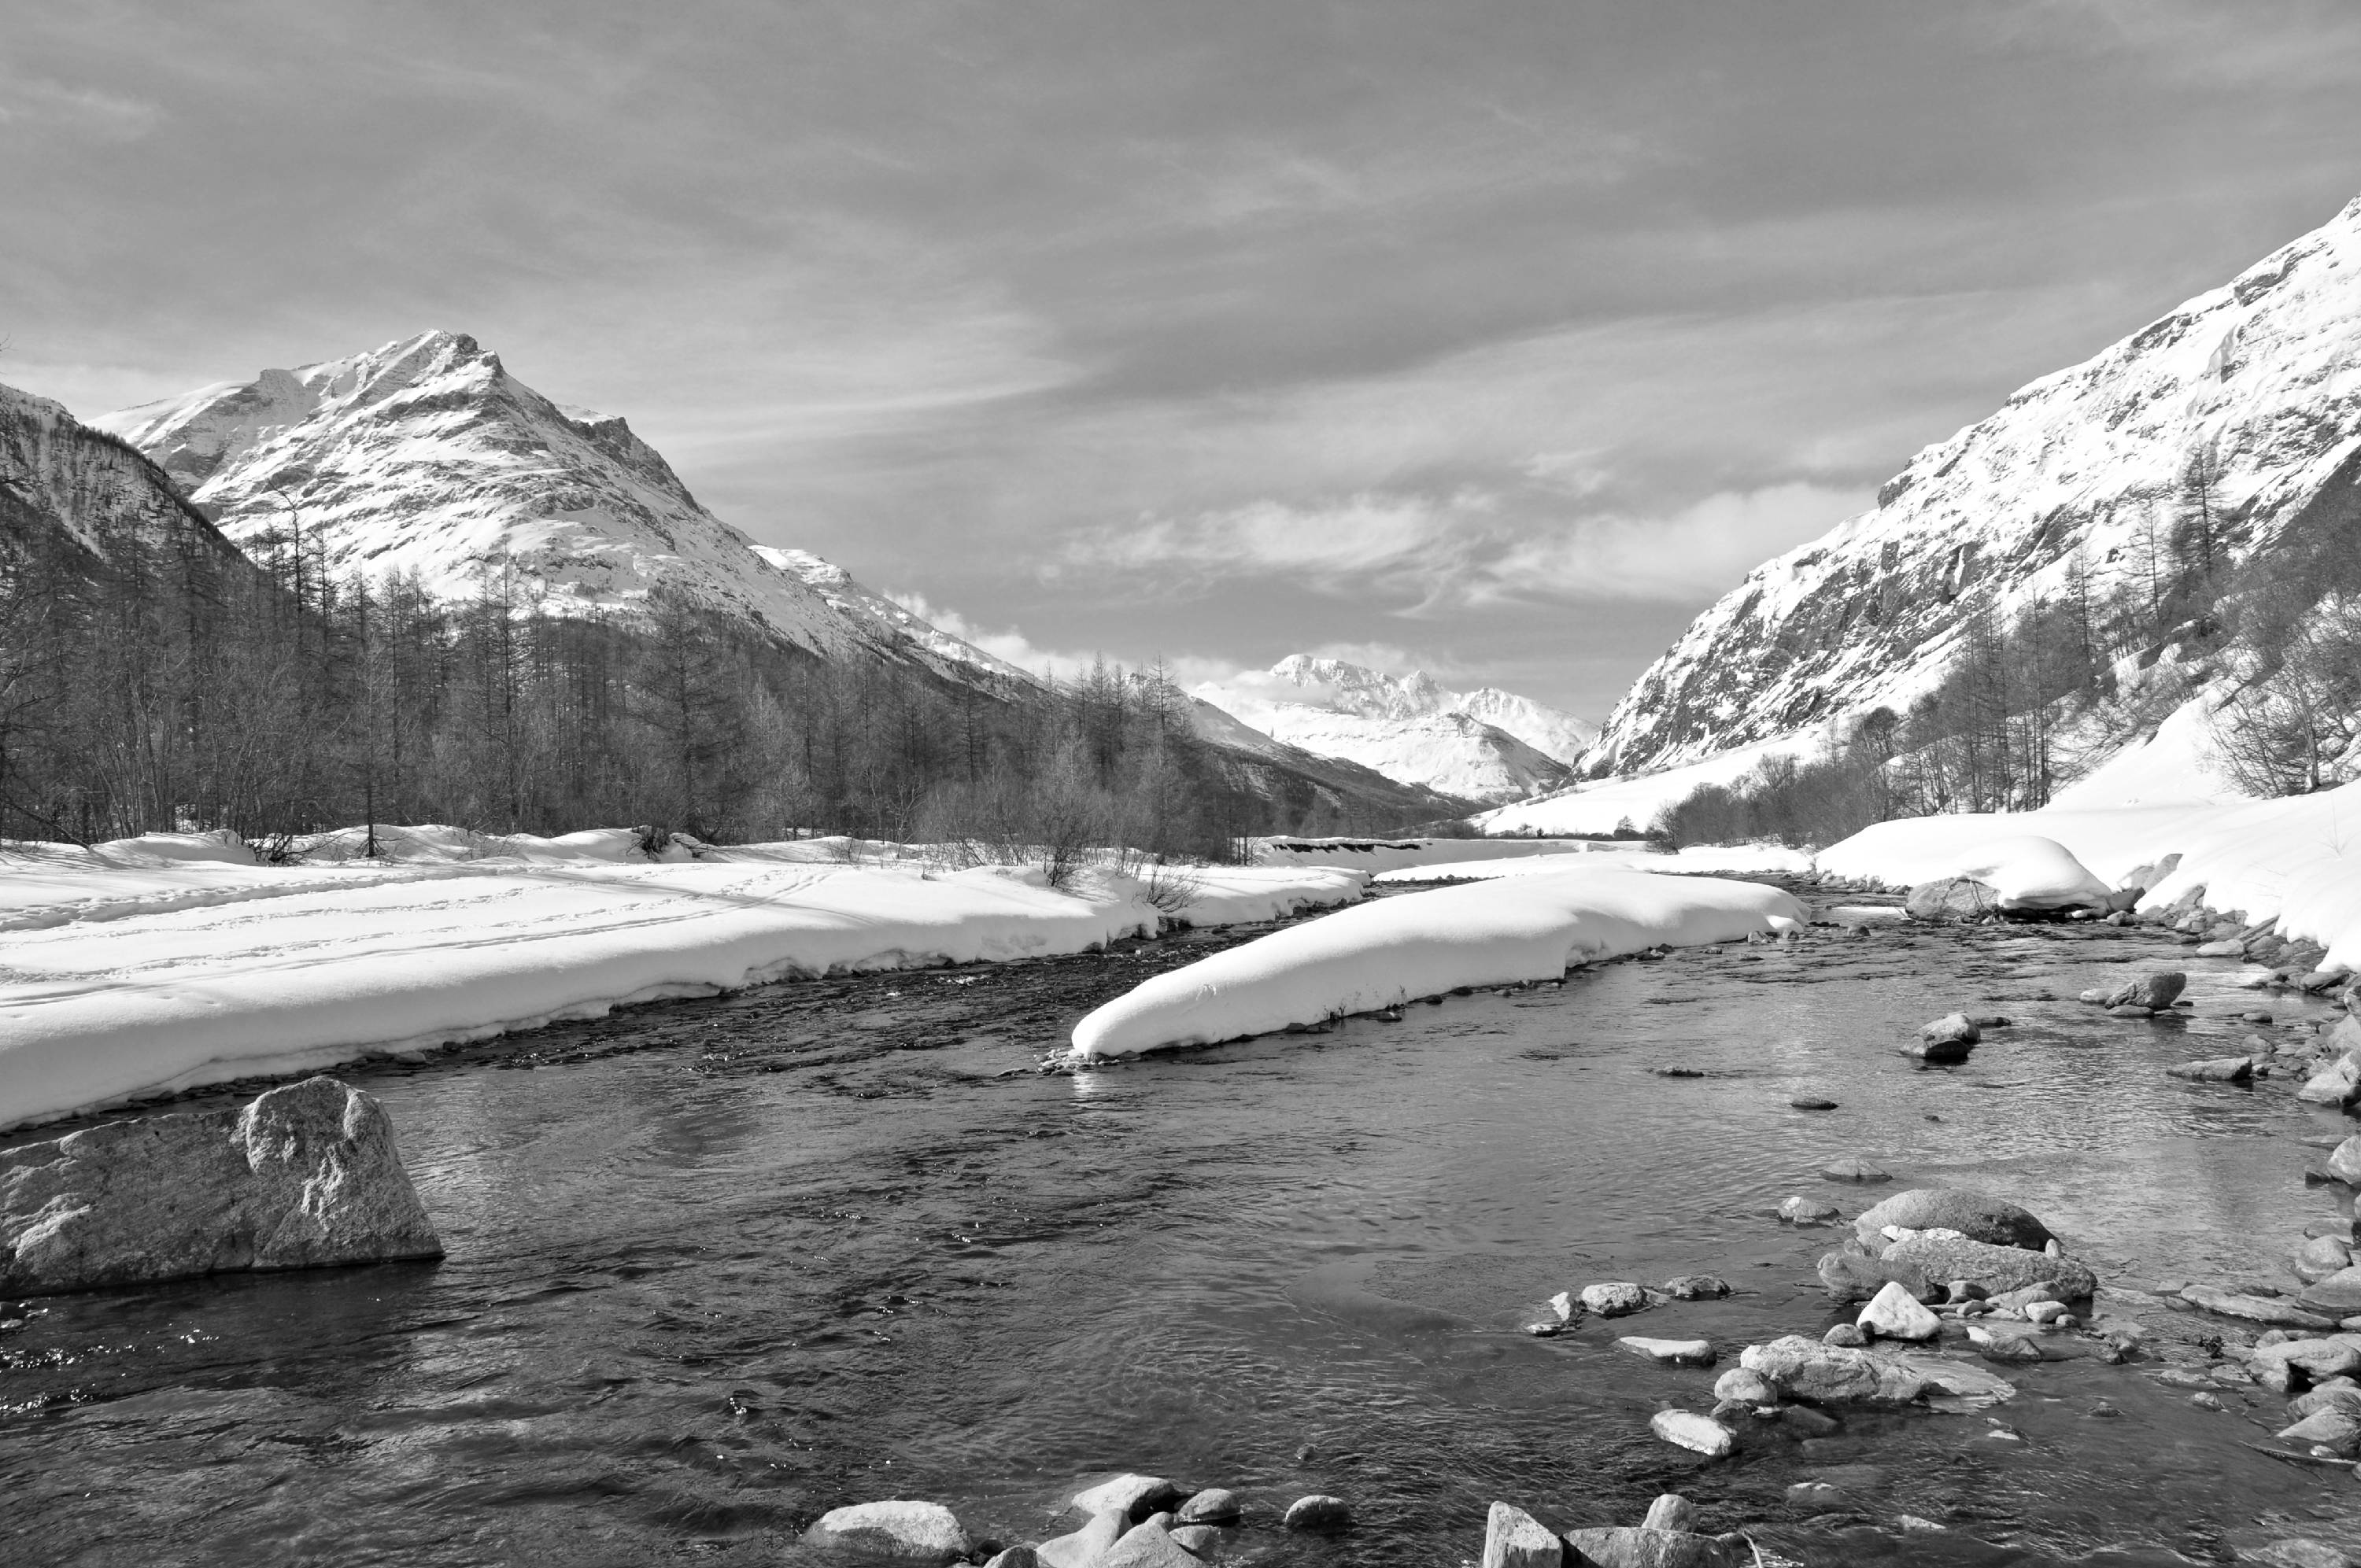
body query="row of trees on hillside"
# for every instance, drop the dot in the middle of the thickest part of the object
(156, 687)
(2023, 702)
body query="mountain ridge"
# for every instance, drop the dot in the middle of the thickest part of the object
(2233, 414)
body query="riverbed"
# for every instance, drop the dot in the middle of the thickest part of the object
(718, 1266)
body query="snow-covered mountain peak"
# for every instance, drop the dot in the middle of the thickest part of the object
(424, 456)
(2241, 407)
(1408, 727)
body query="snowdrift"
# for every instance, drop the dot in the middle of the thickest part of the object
(186, 972)
(1424, 943)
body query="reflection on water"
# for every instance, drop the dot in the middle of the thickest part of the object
(687, 1307)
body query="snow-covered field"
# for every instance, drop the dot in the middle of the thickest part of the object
(169, 962)
(1697, 860)
(1380, 955)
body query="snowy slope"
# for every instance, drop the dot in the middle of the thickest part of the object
(2259, 380)
(62, 482)
(426, 455)
(1408, 728)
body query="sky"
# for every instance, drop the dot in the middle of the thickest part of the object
(1494, 338)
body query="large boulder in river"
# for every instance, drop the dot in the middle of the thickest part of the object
(2338, 1295)
(1996, 1268)
(1645, 1547)
(1804, 1368)
(1951, 898)
(303, 1177)
(892, 1532)
(1973, 1214)
(2155, 991)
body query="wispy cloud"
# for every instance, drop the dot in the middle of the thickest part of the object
(1475, 548)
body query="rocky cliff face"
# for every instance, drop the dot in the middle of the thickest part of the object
(64, 484)
(2217, 427)
(427, 456)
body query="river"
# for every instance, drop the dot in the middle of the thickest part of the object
(718, 1266)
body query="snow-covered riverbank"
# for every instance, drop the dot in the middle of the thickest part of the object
(148, 966)
(2295, 862)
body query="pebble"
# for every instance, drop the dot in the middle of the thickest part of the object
(1701, 1434)
(1318, 1512)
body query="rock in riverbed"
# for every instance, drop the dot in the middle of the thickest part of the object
(2253, 1309)
(1319, 1513)
(1947, 1039)
(1894, 1313)
(2345, 1163)
(1211, 1505)
(1951, 898)
(1514, 1539)
(1148, 1544)
(2216, 1069)
(1701, 1434)
(892, 1532)
(1654, 1549)
(1085, 1547)
(1827, 1375)
(1669, 1352)
(1973, 1214)
(1808, 1212)
(303, 1177)
(1132, 1494)
(2338, 1295)
(1852, 1277)
(1996, 1268)
(1620, 1299)
(2155, 992)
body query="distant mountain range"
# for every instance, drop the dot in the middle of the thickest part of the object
(426, 457)
(1487, 745)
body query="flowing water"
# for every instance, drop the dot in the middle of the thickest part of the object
(716, 1266)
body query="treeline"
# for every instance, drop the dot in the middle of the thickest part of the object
(2025, 702)
(150, 685)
